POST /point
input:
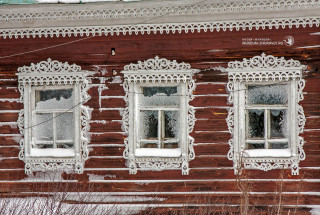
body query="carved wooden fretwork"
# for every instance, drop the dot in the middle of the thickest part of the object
(166, 28)
(54, 73)
(265, 69)
(158, 71)
(160, 10)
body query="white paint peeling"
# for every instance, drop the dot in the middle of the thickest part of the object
(214, 95)
(116, 80)
(212, 83)
(10, 135)
(111, 109)
(9, 100)
(308, 47)
(215, 68)
(54, 176)
(3, 80)
(217, 50)
(112, 97)
(108, 157)
(9, 111)
(216, 107)
(11, 124)
(202, 180)
(99, 121)
(106, 145)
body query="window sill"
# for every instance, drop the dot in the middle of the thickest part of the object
(257, 153)
(153, 152)
(56, 153)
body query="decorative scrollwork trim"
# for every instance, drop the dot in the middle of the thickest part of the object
(158, 70)
(59, 15)
(167, 28)
(267, 69)
(52, 72)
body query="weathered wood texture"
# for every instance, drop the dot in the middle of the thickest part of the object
(211, 175)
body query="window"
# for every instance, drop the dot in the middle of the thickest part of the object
(266, 119)
(54, 119)
(158, 117)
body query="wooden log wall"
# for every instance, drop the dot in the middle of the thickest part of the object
(211, 179)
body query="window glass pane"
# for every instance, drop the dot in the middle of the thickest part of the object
(154, 96)
(170, 145)
(255, 145)
(278, 145)
(171, 125)
(65, 127)
(255, 124)
(149, 145)
(278, 123)
(149, 124)
(267, 94)
(43, 127)
(53, 99)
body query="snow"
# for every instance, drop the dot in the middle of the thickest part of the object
(315, 210)
(54, 103)
(52, 152)
(267, 153)
(55, 205)
(154, 152)
(160, 99)
(46, 176)
(267, 94)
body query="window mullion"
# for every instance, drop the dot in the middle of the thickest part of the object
(159, 128)
(54, 129)
(266, 128)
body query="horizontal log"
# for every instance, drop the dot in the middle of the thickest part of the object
(311, 110)
(112, 138)
(211, 137)
(13, 163)
(106, 127)
(9, 129)
(10, 140)
(311, 98)
(312, 123)
(209, 161)
(106, 151)
(106, 103)
(105, 163)
(211, 113)
(6, 82)
(205, 101)
(210, 88)
(194, 174)
(9, 93)
(106, 115)
(312, 84)
(211, 149)
(9, 117)
(9, 152)
(8, 105)
(211, 125)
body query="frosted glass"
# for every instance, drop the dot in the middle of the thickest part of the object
(267, 94)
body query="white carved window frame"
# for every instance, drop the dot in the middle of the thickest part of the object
(158, 72)
(262, 70)
(52, 74)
